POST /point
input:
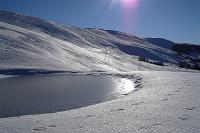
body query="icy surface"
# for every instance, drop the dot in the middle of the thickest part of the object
(168, 102)
(25, 95)
(5, 76)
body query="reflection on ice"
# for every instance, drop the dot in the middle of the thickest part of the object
(125, 86)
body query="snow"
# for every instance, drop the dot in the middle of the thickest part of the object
(167, 102)
(28, 42)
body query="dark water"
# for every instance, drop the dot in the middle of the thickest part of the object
(51, 93)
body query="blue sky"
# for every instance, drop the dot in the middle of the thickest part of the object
(176, 20)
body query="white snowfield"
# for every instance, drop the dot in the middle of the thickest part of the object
(32, 43)
(167, 103)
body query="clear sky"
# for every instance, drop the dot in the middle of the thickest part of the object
(176, 20)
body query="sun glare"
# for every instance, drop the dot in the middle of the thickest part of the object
(128, 14)
(126, 86)
(126, 3)
(131, 3)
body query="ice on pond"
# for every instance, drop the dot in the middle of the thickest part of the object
(51, 93)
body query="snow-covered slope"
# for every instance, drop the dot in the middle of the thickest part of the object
(29, 42)
(188, 49)
(161, 42)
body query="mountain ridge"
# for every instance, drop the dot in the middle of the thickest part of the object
(30, 42)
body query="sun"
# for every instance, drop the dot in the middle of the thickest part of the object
(128, 12)
(130, 3)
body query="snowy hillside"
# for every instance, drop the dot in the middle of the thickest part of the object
(161, 42)
(33, 43)
(190, 53)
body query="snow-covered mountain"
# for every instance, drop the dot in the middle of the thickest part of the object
(190, 53)
(161, 42)
(32, 43)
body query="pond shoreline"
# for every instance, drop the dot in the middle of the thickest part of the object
(48, 92)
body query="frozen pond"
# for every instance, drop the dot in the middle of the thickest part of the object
(51, 93)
